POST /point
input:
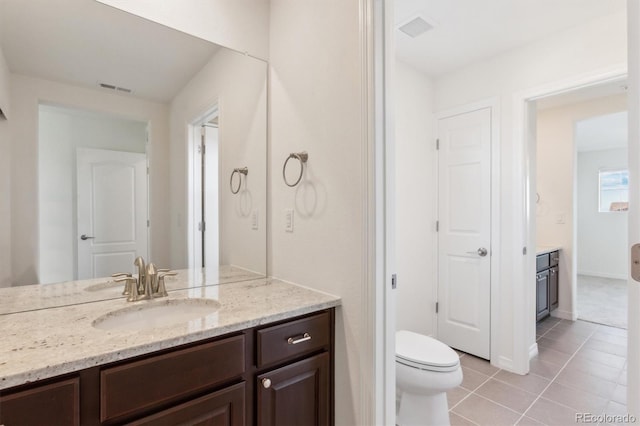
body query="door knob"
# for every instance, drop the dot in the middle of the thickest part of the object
(84, 237)
(482, 252)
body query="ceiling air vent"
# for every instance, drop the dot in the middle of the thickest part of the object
(115, 88)
(415, 27)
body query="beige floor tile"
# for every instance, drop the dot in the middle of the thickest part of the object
(593, 368)
(457, 420)
(566, 346)
(613, 330)
(543, 368)
(620, 395)
(566, 335)
(530, 383)
(601, 357)
(553, 356)
(609, 338)
(615, 408)
(583, 381)
(471, 379)
(528, 421)
(478, 364)
(609, 348)
(485, 412)
(456, 395)
(577, 399)
(578, 327)
(551, 414)
(507, 395)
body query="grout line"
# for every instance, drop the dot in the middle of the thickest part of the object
(557, 374)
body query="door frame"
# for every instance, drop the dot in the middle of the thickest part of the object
(493, 104)
(524, 214)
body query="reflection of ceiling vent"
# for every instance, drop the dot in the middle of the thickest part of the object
(415, 27)
(115, 88)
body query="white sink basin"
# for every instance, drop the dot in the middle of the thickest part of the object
(157, 314)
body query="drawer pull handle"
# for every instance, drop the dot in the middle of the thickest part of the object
(304, 338)
(266, 383)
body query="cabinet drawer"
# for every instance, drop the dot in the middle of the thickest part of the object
(542, 262)
(141, 385)
(285, 341)
(53, 404)
(554, 258)
(225, 407)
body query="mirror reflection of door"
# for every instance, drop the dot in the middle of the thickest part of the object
(63, 132)
(112, 211)
(205, 249)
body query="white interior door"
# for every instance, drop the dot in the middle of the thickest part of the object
(464, 235)
(112, 211)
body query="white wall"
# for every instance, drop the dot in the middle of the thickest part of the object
(26, 94)
(602, 237)
(242, 25)
(594, 46)
(61, 132)
(555, 182)
(237, 84)
(5, 178)
(416, 198)
(315, 106)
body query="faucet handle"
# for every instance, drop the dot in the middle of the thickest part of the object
(130, 287)
(162, 289)
(120, 274)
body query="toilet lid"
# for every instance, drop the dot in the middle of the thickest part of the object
(424, 351)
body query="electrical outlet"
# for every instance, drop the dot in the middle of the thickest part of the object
(288, 220)
(254, 220)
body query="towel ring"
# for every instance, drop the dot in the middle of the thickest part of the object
(241, 171)
(302, 157)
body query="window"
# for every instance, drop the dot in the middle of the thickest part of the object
(614, 190)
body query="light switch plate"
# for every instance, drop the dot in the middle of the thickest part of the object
(288, 220)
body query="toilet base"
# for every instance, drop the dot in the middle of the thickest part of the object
(423, 410)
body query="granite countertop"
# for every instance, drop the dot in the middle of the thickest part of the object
(546, 249)
(49, 342)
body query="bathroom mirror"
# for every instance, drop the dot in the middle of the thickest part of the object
(124, 138)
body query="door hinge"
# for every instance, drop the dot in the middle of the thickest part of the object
(437, 144)
(394, 281)
(202, 227)
(524, 251)
(436, 307)
(437, 226)
(148, 223)
(147, 169)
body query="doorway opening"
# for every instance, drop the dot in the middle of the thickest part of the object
(203, 223)
(581, 203)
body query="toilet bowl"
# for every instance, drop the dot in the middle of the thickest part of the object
(425, 370)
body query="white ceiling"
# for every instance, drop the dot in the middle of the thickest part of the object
(602, 132)
(84, 42)
(466, 31)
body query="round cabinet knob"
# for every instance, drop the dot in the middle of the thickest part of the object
(266, 383)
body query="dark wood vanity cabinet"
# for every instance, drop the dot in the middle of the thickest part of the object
(276, 374)
(546, 283)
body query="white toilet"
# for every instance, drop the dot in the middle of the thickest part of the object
(425, 370)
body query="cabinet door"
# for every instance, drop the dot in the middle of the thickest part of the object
(221, 408)
(53, 404)
(296, 394)
(542, 294)
(553, 288)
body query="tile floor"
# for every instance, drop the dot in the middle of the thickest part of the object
(602, 300)
(580, 368)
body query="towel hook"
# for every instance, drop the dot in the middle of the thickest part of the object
(241, 171)
(302, 157)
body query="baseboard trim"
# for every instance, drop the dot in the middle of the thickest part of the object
(503, 363)
(567, 315)
(603, 275)
(533, 351)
